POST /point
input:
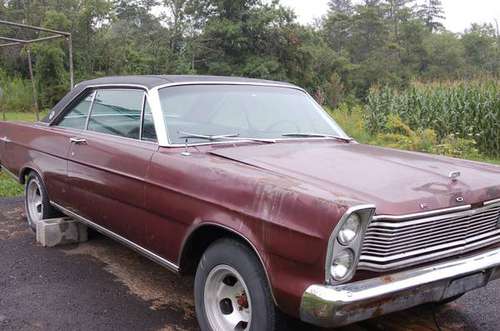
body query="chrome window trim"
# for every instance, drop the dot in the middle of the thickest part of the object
(147, 253)
(152, 95)
(333, 239)
(94, 93)
(108, 135)
(158, 119)
(155, 92)
(89, 116)
(141, 124)
(194, 82)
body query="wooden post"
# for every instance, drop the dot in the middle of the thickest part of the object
(33, 84)
(71, 71)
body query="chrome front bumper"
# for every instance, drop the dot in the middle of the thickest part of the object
(331, 306)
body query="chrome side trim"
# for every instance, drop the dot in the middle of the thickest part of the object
(419, 215)
(368, 210)
(10, 173)
(150, 255)
(332, 306)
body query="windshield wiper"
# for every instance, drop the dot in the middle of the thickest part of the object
(231, 136)
(318, 135)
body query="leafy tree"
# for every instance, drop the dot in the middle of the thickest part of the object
(432, 13)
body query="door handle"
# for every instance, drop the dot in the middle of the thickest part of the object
(5, 140)
(78, 141)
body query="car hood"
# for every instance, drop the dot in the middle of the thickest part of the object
(397, 182)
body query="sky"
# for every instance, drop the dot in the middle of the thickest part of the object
(459, 13)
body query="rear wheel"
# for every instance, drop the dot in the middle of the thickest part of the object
(231, 291)
(37, 203)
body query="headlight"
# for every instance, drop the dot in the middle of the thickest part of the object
(350, 229)
(342, 264)
(345, 244)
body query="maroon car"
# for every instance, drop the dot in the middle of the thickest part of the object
(250, 186)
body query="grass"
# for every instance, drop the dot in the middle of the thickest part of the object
(28, 117)
(9, 187)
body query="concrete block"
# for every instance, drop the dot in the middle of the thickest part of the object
(60, 231)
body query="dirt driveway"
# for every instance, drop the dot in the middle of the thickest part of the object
(101, 285)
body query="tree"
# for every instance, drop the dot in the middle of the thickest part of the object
(432, 13)
(481, 48)
(340, 6)
(338, 24)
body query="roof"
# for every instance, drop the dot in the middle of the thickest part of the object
(151, 81)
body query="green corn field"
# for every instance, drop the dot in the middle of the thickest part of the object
(465, 109)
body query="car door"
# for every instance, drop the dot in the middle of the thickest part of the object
(108, 163)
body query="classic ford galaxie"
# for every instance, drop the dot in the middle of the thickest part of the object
(250, 186)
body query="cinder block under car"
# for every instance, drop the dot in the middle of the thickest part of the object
(60, 231)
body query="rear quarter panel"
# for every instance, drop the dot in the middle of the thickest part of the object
(38, 147)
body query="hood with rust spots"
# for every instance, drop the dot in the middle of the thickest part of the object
(397, 182)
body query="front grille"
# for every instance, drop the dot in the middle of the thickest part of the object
(391, 244)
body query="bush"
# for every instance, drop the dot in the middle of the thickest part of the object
(17, 94)
(397, 134)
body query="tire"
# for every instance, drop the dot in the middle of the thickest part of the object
(230, 281)
(36, 201)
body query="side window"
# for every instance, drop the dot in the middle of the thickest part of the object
(117, 112)
(148, 126)
(77, 117)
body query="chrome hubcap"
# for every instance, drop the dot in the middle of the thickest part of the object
(227, 301)
(34, 201)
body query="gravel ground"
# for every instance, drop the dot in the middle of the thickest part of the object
(101, 285)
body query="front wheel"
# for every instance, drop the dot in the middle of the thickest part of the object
(36, 201)
(231, 291)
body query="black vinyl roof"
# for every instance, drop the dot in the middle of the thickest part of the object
(148, 81)
(151, 81)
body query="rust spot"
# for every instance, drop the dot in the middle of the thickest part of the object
(387, 279)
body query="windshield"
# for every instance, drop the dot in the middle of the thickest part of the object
(241, 111)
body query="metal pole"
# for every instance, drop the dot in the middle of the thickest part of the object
(11, 44)
(35, 96)
(3, 108)
(12, 39)
(34, 28)
(71, 71)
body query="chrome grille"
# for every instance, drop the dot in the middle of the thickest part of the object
(391, 244)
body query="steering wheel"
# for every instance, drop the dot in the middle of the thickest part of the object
(284, 122)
